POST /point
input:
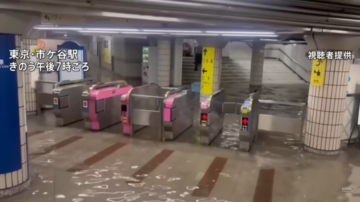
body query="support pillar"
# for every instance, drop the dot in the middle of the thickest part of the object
(214, 85)
(257, 65)
(153, 62)
(326, 104)
(164, 62)
(14, 167)
(176, 62)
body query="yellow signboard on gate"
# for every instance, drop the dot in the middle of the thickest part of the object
(318, 72)
(207, 71)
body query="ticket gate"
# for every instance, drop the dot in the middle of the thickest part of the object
(211, 118)
(250, 113)
(102, 104)
(169, 110)
(213, 110)
(67, 100)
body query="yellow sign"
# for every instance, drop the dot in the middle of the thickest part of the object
(106, 52)
(203, 123)
(318, 73)
(207, 71)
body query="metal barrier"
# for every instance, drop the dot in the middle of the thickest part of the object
(278, 123)
(159, 107)
(67, 100)
(211, 117)
(143, 106)
(178, 112)
(250, 111)
(43, 97)
(102, 104)
(252, 121)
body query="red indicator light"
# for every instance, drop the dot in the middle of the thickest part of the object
(245, 121)
(85, 104)
(204, 117)
(56, 101)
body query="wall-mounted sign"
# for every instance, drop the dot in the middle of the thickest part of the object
(107, 53)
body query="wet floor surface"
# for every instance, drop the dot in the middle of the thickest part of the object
(75, 165)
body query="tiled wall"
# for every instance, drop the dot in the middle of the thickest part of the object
(164, 62)
(326, 106)
(176, 58)
(257, 64)
(10, 182)
(30, 97)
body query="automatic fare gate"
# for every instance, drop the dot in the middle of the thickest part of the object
(102, 104)
(170, 110)
(251, 120)
(67, 100)
(212, 114)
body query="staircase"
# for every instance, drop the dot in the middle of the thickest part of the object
(237, 71)
(188, 74)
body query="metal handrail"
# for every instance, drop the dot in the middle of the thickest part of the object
(294, 61)
(282, 103)
(69, 82)
(108, 84)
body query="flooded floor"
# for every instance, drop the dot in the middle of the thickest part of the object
(73, 165)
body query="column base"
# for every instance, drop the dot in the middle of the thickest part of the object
(322, 152)
(252, 88)
(14, 190)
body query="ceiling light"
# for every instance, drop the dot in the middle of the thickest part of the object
(194, 34)
(143, 33)
(172, 31)
(240, 32)
(269, 40)
(111, 29)
(141, 17)
(58, 28)
(249, 35)
(103, 32)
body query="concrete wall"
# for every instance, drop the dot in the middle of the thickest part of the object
(126, 54)
(237, 50)
(13, 22)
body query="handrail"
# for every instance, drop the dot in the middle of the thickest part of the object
(173, 90)
(294, 61)
(282, 103)
(49, 82)
(71, 82)
(109, 84)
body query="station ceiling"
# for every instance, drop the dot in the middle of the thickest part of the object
(290, 17)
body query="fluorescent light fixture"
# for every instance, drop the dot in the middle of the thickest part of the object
(141, 17)
(172, 31)
(142, 33)
(102, 32)
(112, 29)
(194, 34)
(240, 32)
(269, 40)
(335, 31)
(58, 28)
(249, 35)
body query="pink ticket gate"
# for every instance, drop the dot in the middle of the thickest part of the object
(102, 104)
(170, 110)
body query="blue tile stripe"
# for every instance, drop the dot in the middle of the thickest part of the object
(10, 150)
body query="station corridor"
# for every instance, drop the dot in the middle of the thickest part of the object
(70, 164)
